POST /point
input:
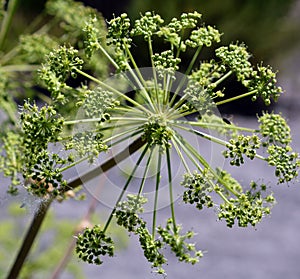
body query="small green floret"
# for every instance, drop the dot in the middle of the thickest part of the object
(184, 251)
(93, 244)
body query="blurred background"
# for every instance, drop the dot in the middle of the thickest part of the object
(271, 29)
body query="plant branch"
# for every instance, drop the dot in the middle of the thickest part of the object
(236, 97)
(44, 206)
(29, 238)
(20, 68)
(12, 5)
(158, 177)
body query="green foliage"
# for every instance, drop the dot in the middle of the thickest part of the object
(36, 46)
(46, 253)
(20, 60)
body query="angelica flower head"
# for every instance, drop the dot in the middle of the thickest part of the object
(165, 114)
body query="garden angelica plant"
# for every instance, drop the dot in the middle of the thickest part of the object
(165, 107)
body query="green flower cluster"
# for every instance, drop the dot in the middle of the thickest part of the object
(11, 158)
(39, 127)
(165, 63)
(260, 81)
(93, 35)
(157, 132)
(247, 208)
(60, 64)
(151, 248)
(98, 102)
(203, 36)
(147, 25)
(274, 130)
(185, 252)
(172, 32)
(41, 168)
(242, 145)
(236, 58)
(93, 244)
(36, 46)
(263, 81)
(285, 161)
(198, 99)
(127, 215)
(127, 212)
(87, 144)
(277, 138)
(45, 177)
(207, 74)
(118, 36)
(118, 32)
(198, 190)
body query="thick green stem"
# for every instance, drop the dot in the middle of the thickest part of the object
(29, 238)
(20, 68)
(44, 206)
(12, 5)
